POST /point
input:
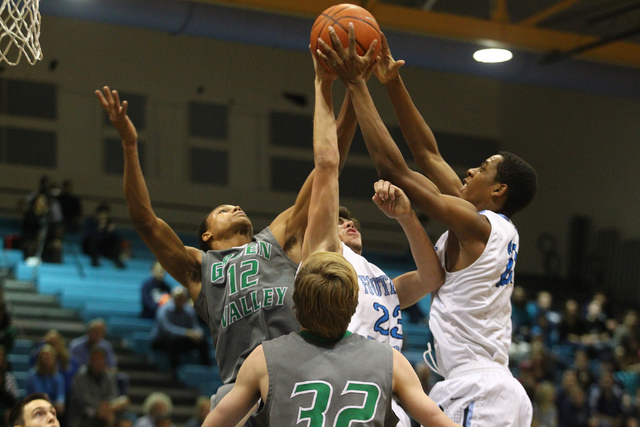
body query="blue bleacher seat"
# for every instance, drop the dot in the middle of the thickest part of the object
(204, 378)
(19, 362)
(22, 347)
(416, 336)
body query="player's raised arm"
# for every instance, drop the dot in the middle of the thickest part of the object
(252, 378)
(460, 216)
(322, 231)
(415, 130)
(180, 262)
(290, 226)
(407, 387)
(429, 276)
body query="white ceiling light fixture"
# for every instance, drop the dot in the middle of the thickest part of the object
(492, 55)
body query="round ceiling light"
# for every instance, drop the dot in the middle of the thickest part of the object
(492, 55)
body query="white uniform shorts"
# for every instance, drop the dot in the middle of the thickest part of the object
(484, 397)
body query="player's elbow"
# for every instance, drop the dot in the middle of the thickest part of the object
(327, 160)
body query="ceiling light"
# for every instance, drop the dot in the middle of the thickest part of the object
(492, 55)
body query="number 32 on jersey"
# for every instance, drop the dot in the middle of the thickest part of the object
(322, 393)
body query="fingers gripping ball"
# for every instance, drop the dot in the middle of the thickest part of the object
(364, 24)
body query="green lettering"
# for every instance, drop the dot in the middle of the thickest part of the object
(265, 250)
(231, 278)
(247, 275)
(225, 316)
(252, 249)
(216, 271)
(281, 292)
(254, 300)
(234, 314)
(268, 298)
(243, 304)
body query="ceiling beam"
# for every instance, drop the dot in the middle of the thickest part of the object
(515, 36)
(547, 13)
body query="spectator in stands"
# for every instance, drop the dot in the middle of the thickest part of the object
(545, 320)
(545, 413)
(569, 379)
(100, 238)
(542, 362)
(71, 207)
(571, 327)
(8, 387)
(153, 291)
(520, 317)
(126, 419)
(38, 224)
(574, 411)
(45, 378)
(596, 328)
(155, 406)
(582, 368)
(164, 421)
(67, 365)
(48, 188)
(605, 401)
(80, 348)
(201, 412)
(176, 329)
(95, 400)
(8, 332)
(35, 410)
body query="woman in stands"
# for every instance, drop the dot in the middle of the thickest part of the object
(46, 378)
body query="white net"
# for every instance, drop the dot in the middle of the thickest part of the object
(20, 31)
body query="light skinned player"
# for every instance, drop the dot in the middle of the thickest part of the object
(35, 410)
(255, 305)
(378, 315)
(470, 313)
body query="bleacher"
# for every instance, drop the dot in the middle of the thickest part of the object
(75, 292)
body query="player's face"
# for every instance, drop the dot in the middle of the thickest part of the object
(481, 181)
(227, 218)
(349, 235)
(40, 413)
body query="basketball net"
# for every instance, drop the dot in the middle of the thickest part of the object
(20, 31)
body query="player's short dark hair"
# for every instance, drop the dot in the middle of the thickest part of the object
(521, 180)
(325, 294)
(204, 227)
(345, 213)
(16, 416)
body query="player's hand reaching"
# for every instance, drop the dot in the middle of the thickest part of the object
(391, 200)
(322, 74)
(110, 101)
(346, 62)
(386, 68)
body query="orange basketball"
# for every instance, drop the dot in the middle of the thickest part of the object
(365, 26)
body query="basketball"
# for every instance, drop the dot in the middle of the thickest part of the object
(365, 26)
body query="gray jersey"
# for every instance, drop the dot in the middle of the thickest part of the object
(335, 384)
(246, 299)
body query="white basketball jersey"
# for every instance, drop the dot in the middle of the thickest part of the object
(378, 314)
(471, 313)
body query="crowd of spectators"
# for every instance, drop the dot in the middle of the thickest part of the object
(51, 212)
(580, 364)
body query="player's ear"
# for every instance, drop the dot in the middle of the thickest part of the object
(206, 236)
(500, 190)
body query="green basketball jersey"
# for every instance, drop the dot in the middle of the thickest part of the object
(315, 385)
(246, 299)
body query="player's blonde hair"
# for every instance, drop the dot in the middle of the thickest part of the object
(326, 294)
